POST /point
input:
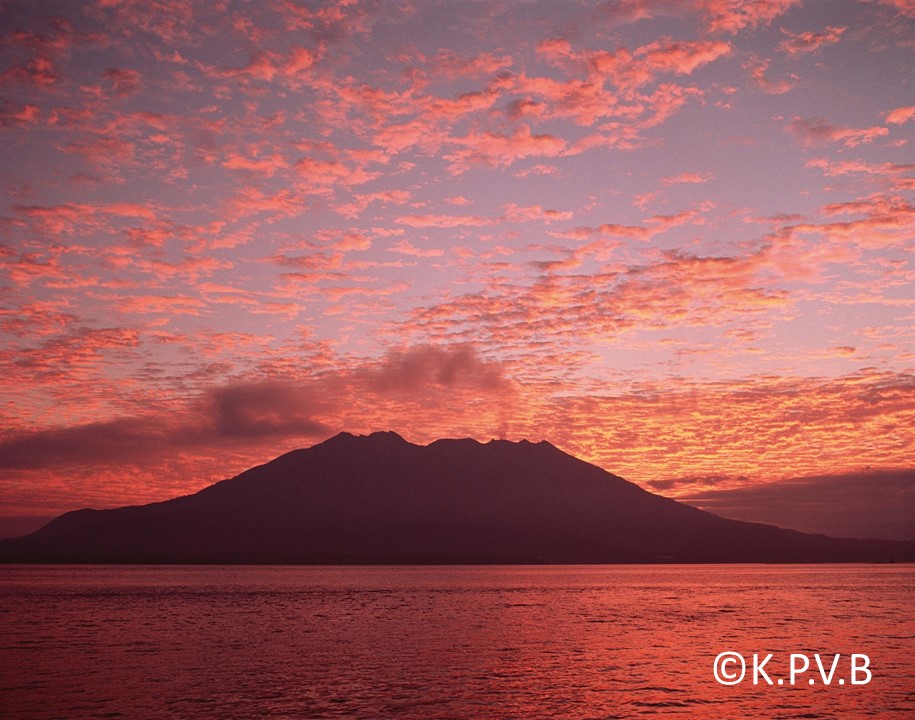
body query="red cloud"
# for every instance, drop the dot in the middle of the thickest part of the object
(39, 72)
(46, 52)
(18, 114)
(125, 82)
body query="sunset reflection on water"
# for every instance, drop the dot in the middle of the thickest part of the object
(447, 642)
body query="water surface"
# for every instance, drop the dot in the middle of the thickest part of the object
(448, 642)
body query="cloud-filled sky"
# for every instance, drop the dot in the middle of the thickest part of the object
(673, 237)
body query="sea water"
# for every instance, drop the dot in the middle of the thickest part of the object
(457, 642)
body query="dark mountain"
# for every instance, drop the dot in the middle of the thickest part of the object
(380, 499)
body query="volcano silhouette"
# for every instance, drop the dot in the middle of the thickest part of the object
(380, 499)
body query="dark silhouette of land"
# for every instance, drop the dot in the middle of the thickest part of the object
(380, 499)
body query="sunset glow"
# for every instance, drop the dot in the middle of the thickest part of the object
(674, 237)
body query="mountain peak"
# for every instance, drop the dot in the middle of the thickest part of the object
(374, 437)
(379, 499)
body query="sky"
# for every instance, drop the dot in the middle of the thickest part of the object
(672, 237)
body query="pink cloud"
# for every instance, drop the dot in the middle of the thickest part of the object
(40, 72)
(405, 247)
(297, 62)
(105, 152)
(632, 232)
(666, 100)
(525, 107)
(731, 16)
(25, 268)
(394, 138)
(901, 115)
(450, 64)
(686, 178)
(189, 268)
(340, 240)
(321, 261)
(494, 149)
(260, 67)
(168, 305)
(19, 114)
(265, 66)
(538, 169)
(682, 57)
(263, 165)
(340, 292)
(758, 70)
(836, 168)
(807, 42)
(903, 7)
(817, 131)
(318, 173)
(583, 100)
(332, 195)
(252, 201)
(333, 23)
(887, 222)
(81, 218)
(728, 16)
(242, 414)
(40, 60)
(441, 109)
(442, 221)
(169, 20)
(607, 85)
(517, 213)
(127, 210)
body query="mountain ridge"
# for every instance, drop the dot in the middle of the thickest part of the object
(378, 498)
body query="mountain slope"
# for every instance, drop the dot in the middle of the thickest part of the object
(380, 499)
